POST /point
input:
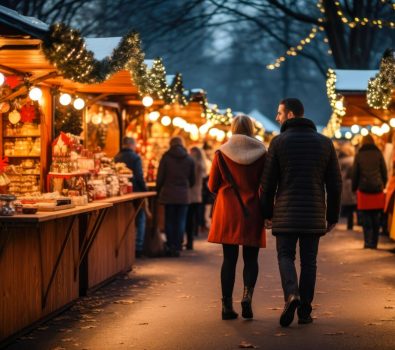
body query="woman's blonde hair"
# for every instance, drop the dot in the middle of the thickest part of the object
(242, 124)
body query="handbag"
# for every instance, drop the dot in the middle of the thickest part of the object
(229, 178)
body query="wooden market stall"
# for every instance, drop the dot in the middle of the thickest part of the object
(48, 259)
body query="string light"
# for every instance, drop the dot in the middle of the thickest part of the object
(2, 79)
(35, 94)
(293, 50)
(65, 99)
(352, 23)
(79, 103)
(364, 131)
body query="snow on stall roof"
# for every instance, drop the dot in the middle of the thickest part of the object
(25, 19)
(353, 80)
(103, 47)
(267, 123)
(169, 79)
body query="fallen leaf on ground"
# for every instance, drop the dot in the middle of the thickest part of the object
(389, 307)
(88, 327)
(280, 334)
(143, 324)
(373, 324)
(335, 333)
(123, 302)
(246, 345)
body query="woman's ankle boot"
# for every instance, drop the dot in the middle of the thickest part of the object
(227, 309)
(246, 302)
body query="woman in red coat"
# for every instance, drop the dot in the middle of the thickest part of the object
(243, 156)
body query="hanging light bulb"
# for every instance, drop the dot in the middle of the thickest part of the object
(355, 129)
(229, 134)
(392, 122)
(348, 135)
(2, 79)
(35, 94)
(385, 128)
(65, 99)
(79, 103)
(338, 134)
(147, 101)
(364, 131)
(154, 116)
(166, 121)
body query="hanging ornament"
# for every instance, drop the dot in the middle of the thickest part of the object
(13, 81)
(28, 113)
(107, 118)
(14, 117)
(4, 107)
(3, 164)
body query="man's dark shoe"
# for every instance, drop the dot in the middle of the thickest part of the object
(289, 310)
(246, 303)
(305, 320)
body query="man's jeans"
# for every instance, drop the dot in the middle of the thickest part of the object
(286, 251)
(140, 230)
(175, 222)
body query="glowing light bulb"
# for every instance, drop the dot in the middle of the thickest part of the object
(355, 129)
(364, 131)
(385, 128)
(392, 122)
(154, 116)
(147, 101)
(79, 103)
(2, 79)
(65, 99)
(348, 135)
(35, 94)
(338, 134)
(166, 121)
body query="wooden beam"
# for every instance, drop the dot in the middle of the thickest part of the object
(12, 70)
(95, 99)
(22, 88)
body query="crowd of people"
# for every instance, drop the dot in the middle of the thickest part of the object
(368, 186)
(252, 190)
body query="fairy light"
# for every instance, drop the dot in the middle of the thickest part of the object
(293, 50)
(356, 21)
(364, 131)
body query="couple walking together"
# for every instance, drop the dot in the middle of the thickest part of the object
(293, 189)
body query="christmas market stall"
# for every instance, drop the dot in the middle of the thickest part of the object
(67, 211)
(363, 101)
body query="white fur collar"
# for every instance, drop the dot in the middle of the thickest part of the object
(243, 149)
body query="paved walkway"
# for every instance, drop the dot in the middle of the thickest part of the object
(170, 303)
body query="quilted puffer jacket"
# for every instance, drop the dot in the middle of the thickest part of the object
(302, 181)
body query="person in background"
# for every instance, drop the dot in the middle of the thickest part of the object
(176, 175)
(349, 200)
(195, 196)
(132, 160)
(301, 191)
(369, 178)
(207, 196)
(237, 218)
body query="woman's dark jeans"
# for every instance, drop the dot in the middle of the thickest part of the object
(175, 221)
(371, 222)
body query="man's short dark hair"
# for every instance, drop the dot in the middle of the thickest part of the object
(128, 141)
(293, 105)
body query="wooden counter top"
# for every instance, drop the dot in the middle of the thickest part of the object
(127, 197)
(47, 216)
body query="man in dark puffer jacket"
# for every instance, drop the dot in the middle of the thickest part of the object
(302, 176)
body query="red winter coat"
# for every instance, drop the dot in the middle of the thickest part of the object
(245, 158)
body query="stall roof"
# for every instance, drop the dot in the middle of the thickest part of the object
(353, 80)
(103, 47)
(268, 124)
(13, 22)
(352, 85)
